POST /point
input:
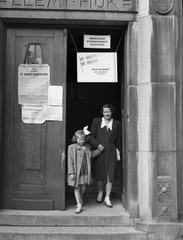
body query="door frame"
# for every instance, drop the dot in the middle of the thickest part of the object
(125, 196)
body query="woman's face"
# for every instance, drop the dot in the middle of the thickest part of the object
(107, 113)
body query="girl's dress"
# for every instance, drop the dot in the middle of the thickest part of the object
(83, 175)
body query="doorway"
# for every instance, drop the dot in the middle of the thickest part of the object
(84, 100)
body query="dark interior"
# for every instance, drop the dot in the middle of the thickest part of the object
(84, 100)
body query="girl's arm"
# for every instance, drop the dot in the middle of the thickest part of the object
(70, 160)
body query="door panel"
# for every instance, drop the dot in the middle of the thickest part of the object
(34, 154)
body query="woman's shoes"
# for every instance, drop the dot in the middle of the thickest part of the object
(99, 197)
(108, 202)
(78, 208)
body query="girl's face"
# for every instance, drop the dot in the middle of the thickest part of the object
(81, 140)
(107, 114)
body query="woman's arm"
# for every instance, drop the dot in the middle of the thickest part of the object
(119, 137)
(93, 134)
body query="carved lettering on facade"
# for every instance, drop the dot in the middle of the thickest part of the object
(104, 5)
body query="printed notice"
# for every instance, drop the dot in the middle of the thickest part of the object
(55, 95)
(33, 83)
(33, 114)
(97, 41)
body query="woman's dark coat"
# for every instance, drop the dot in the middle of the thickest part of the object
(110, 139)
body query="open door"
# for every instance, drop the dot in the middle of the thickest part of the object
(84, 100)
(34, 154)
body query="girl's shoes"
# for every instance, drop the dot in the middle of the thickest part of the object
(108, 202)
(78, 208)
(99, 197)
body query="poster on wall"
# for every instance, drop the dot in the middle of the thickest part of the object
(97, 67)
(33, 83)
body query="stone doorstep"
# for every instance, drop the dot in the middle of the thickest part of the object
(71, 233)
(75, 220)
(162, 230)
(92, 215)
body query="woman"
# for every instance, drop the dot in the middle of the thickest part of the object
(105, 135)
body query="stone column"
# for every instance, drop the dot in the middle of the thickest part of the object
(160, 110)
(2, 67)
(130, 188)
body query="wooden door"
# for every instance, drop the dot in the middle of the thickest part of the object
(34, 154)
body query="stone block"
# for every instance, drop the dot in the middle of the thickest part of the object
(157, 117)
(143, 8)
(166, 44)
(165, 102)
(132, 117)
(166, 163)
(146, 119)
(132, 53)
(133, 202)
(146, 51)
(147, 169)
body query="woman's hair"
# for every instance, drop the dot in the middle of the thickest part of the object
(107, 105)
(79, 133)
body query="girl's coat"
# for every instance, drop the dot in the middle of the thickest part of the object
(75, 157)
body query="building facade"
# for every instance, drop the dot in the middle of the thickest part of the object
(147, 37)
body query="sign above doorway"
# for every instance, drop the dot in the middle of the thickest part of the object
(97, 67)
(97, 41)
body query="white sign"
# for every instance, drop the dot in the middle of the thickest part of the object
(55, 95)
(53, 113)
(97, 41)
(97, 67)
(33, 82)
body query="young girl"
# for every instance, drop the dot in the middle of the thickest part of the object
(79, 166)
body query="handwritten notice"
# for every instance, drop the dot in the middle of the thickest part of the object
(33, 82)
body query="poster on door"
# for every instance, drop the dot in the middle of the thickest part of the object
(33, 83)
(97, 67)
(40, 101)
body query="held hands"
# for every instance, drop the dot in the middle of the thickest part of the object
(72, 176)
(100, 147)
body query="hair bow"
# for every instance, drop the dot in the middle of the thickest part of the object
(85, 130)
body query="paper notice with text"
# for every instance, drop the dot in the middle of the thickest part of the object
(33, 83)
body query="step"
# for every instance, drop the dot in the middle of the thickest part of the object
(72, 233)
(93, 214)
